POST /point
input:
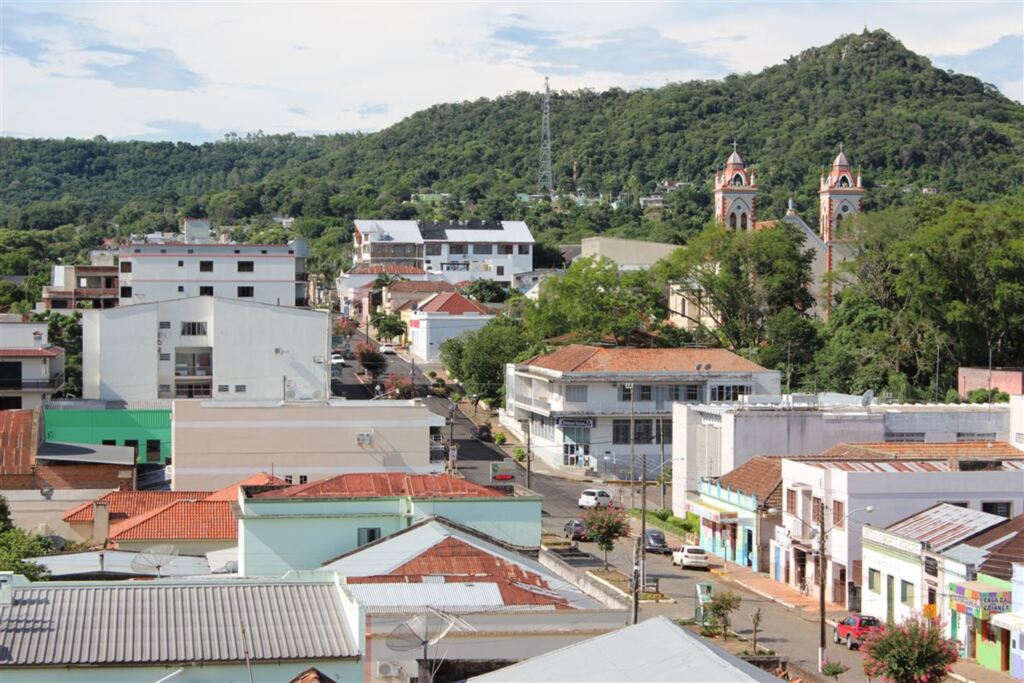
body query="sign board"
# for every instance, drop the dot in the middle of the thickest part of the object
(883, 537)
(503, 472)
(453, 456)
(575, 422)
(782, 537)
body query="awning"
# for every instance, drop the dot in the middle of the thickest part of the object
(1012, 621)
(710, 512)
(979, 600)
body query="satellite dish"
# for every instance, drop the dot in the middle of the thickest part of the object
(155, 559)
(424, 630)
(867, 398)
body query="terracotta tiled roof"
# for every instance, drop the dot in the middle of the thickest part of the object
(970, 450)
(760, 477)
(452, 303)
(180, 520)
(230, 493)
(421, 286)
(384, 484)
(123, 505)
(19, 440)
(32, 352)
(594, 359)
(384, 269)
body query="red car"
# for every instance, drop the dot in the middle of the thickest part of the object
(853, 628)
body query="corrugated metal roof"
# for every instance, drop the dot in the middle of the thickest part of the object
(19, 438)
(945, 525)
(449, 597)
(384, 484)
(150, 623)
(63, 565)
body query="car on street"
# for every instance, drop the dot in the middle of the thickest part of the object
(595, 498)
(690, 557)
(575, 530)
(338, 359)
(654, 542)
(483, 433)
(387, 348)
(854, 628)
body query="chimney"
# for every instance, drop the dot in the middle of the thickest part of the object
(100, 521)
(6, 589)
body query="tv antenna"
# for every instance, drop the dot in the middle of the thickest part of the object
(544, 175)
(155, 559)
(424, 630)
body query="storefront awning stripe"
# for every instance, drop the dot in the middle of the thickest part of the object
(710, 512)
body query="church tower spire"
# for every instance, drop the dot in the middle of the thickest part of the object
(841, 194)
(735, 193)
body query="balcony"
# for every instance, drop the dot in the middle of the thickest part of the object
(19, 384)
(532, 402)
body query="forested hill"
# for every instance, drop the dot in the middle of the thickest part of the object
(901, 119)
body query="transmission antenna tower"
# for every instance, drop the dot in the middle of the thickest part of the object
(544, 175)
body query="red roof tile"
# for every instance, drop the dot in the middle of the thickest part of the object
(382, 484)
(32, 352)
(123, 505)
(180, 520)
(19, 441)
(760, 477)
(452, 303)
(384, 269)
(594, 359)
(919, 451)
(230, 493)
(421, 286)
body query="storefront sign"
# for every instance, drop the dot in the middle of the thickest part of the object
(979, 600)
(504, 472)
(882, 537)
(710, 513)
(782, 537)
(575, 422)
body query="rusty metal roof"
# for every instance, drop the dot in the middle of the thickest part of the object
(943, 526)
(19, 440)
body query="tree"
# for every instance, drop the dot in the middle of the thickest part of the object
(986, 396)
(755, 620)
(65, 331)
(16, 545)
(345, 327)
(452, 352)
(915, 651)
(485, 353)
(720, 608)
(388, 325)
(398, 386)
(5, 516)
(372, 360)
(604, 526)
(485, 291)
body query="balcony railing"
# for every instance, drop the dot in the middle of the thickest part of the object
(18, 384)
(534, 402)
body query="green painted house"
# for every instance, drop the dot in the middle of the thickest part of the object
(148, 430)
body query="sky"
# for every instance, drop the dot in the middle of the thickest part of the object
(194, 71)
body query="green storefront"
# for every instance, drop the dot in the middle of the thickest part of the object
(147, 430)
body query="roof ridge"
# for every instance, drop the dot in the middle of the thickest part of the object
(137, 520)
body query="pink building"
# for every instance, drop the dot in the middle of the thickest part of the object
(1009, 380)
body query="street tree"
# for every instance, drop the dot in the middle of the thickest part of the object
(604, 526)
(485, 291)
(720, 608)
(915, 651)
(485, 353)
(372, 360)
(16, 545)
(388, 325)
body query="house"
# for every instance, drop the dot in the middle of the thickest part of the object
(403, 292)
(650, 651)
(31, 369)
(1012, 622)
(196, 631)
(895, 480)
(710, 440)
(627, 254)
(143, 426)
(356, 286)
(110, 565)
(82, 286)
(457, 250)
(1008, 380)
(440, 318)
(589, 407)
(216, 443)
(205, 347)
(302, 526)
(152, 272)
(739, 511)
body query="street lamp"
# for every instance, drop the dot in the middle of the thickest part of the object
(822, 533)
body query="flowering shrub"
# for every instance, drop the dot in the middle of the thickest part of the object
(345, 327)
(398, 386)
(605, 526)
(915, 651)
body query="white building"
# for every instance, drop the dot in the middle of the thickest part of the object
(1016, 429)
(440, 318)
(627, 254)
(205, 347)
(896, 480)
(31, 368)
(712, 440)
(580, 401)
(468, 250)
(162, 271)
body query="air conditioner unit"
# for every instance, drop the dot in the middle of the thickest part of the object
(364, 438)
(389, 669)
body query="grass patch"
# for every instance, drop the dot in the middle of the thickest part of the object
(666, 521)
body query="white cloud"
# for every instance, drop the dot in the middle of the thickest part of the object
(134, 69)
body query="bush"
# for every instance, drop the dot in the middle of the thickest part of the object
(499, 438)
(662, 514)
(432, 374)
(519, 454)
(916, 651)
(456, 397)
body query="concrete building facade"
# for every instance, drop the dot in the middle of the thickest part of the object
(440, 318)
(31, 369)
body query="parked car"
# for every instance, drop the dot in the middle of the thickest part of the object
(853, 628)
(483, 433)
(654, 542)
(595, 498)
(574, 530)
(387, 348)
(690, 557)
(338, 359)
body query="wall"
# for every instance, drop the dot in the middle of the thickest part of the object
(276, 672)
(511, 520)
(95, 426)
(427, 331)
(1008, 380)
(1016, 429)
(184, 547)
(218, 443)
(628, 254)
(902, 566)
(989, 653)
(32, 511)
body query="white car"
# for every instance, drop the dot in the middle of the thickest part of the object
(595, 498)
(690, 556)
(338, 359)
(387, 348)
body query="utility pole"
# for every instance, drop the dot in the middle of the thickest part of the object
(529, 455)
(635, 593)
(643, 519)
(412, 374)
(632, 445)
(545, 177)
(821, 586)
(661, 468)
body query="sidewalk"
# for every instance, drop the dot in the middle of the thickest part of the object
(768, 588)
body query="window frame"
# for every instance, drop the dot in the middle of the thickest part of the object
(206, 266)
(250, 267)
(246, 291)
(620, 432)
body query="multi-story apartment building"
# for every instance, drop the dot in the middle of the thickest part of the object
(468, 250)
(31, 369)
(160, 271)
(205, 347)
(86, 286)
(603, 408)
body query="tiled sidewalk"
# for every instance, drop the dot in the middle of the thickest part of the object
(776, 591)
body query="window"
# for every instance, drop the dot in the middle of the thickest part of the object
(483, 249)
(165, 324)
(245, 267)
(620, 431)
(109, 442)
(181, 264)
(644, 392)
(191, 251)
(126, 292)
(206, 266)
(665, 433)
(165, 356)
(238, 251)
(460, 249)
(932, 595)
(643, 431)
(287, 478)
(501, 271)
(193, 329)
(524, 249)
(181, 288)
(368, 535)
(576, 435)
(573, 453)
(791, 501)
(505, 249)
(263, 251)
(731, 392)
(246, 292)
(152, 450)
(303, 478)
(997, 508)
(817, 510)
(206, 291)
(163, 251)
(625, 393)
(432, 249)
(223, 388)
(874, 580)
(692, 392)
(239, 388)
(975, 436)
(126, 266)
(674, 392)
(1018, 437)
(931, 568)
(905, 437)
(838, 514)
(907, 593)
(577, 393)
